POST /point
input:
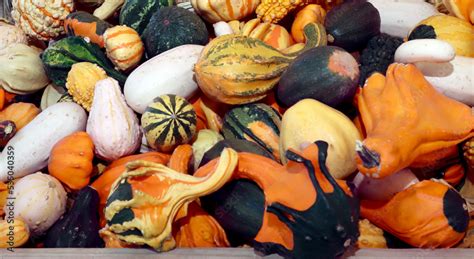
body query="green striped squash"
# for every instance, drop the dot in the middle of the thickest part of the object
(256, 122)
(168, 122)
(137, 13)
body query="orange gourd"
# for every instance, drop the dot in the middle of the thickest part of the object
(20, 113)
(71, 160)
(2, 98)
(312, 13)
(428, 214)
(407, 122)
(463, 9)
(114, 170)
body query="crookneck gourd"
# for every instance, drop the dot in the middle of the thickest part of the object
(306, 213)
(236, 69)
(441, 223)
(147, 196)
(87, 25)
(408, 123)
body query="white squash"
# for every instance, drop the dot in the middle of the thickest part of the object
(112, 125)
(399, 17)
(171, 72)
(40, 200)
(31, 146)
(425, 50)
(10, 34)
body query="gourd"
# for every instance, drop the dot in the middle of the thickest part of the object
(171, 72)
(40, 200)
(326, 73)
(7, 131)
(51, 95)
(370, 236)
(108, 8)
(310, 13)
(104, 182)
(235, 69)
(310, 120)
(21, 70)
(15, 228)
(79, 227)
(81, 81)
(170, 27)
(205, 140)
(86, 25)
(274, 11)
(71, 160)
(463, 9)
(393, 140)
(59, 58)
(125, 212)
(10, 34)
(468, 152)
(215, 11)
(42, 20)
(112, 125)
(455, 31)
(137, 13)
(441, 223)
(20, 113)
(169, 121)
(124, 47)
(33, 143)
(258, 123)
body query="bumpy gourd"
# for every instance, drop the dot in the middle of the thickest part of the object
(10, 34)
(124, 47)
(42, 20)
(20, 230)
(112, 125)
(81, 81)
(408, 122)
(214, 10)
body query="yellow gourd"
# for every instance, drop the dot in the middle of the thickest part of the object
(81, 82)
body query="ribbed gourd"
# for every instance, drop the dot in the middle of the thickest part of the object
(275, 10)
(237, 69)
(215, 10)
(81, 82)
(16, 228)
(123, 47)
(169, 121)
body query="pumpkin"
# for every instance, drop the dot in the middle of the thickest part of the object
(455, 31)
(394, 139)
(14, 232)
(81, 81)
(51, 95)
(351, 24)
(20, 114)
(370, 236)
(10, 34)
(441, 223)
(170, 27)
(84, 24)
(258, 123)
(42, 20)
(7, 131)
(71, 160)
(79, 227)
(463, 9)
(114, 170)
(306, 211)
(236, 69)
(112, 125)
(215, 11)
(134, 198)
(137, 13)
(310, 13)
(21, 69)
(205, 140)
(169, 121)
(124, 47)
(326, 73)
(40, 200)
(273, 11)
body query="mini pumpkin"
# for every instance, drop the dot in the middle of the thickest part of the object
(124, 47)
(215, 11)
(71, 160)
(81, 81)
(20, 114)
(14, 232)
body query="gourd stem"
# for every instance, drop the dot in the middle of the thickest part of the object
(369, 158)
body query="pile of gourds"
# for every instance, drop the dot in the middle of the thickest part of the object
(301, 128)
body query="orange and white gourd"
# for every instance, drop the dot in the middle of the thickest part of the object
(41, 19)
(124, 47)
(112, 125)
(217, 10)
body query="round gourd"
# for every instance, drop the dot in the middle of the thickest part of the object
(328, 74)
(20, 113)
(17, 227)
(40, 200)
(170, 27)
(137, 13)
(169, 121)
(124, 47)
(216, 10)
(81, 81)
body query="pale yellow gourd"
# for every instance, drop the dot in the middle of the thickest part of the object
(14, 232)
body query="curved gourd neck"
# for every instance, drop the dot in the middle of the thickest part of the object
(315, 35)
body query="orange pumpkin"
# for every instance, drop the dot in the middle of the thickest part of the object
(407, 122)
(310, 13)
(20, 113)
(71, 160)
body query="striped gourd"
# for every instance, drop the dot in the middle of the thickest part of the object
(123, 46)
(217, 10)
(169, 121)
(136, 13)
(258, 123)
(236, 69)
